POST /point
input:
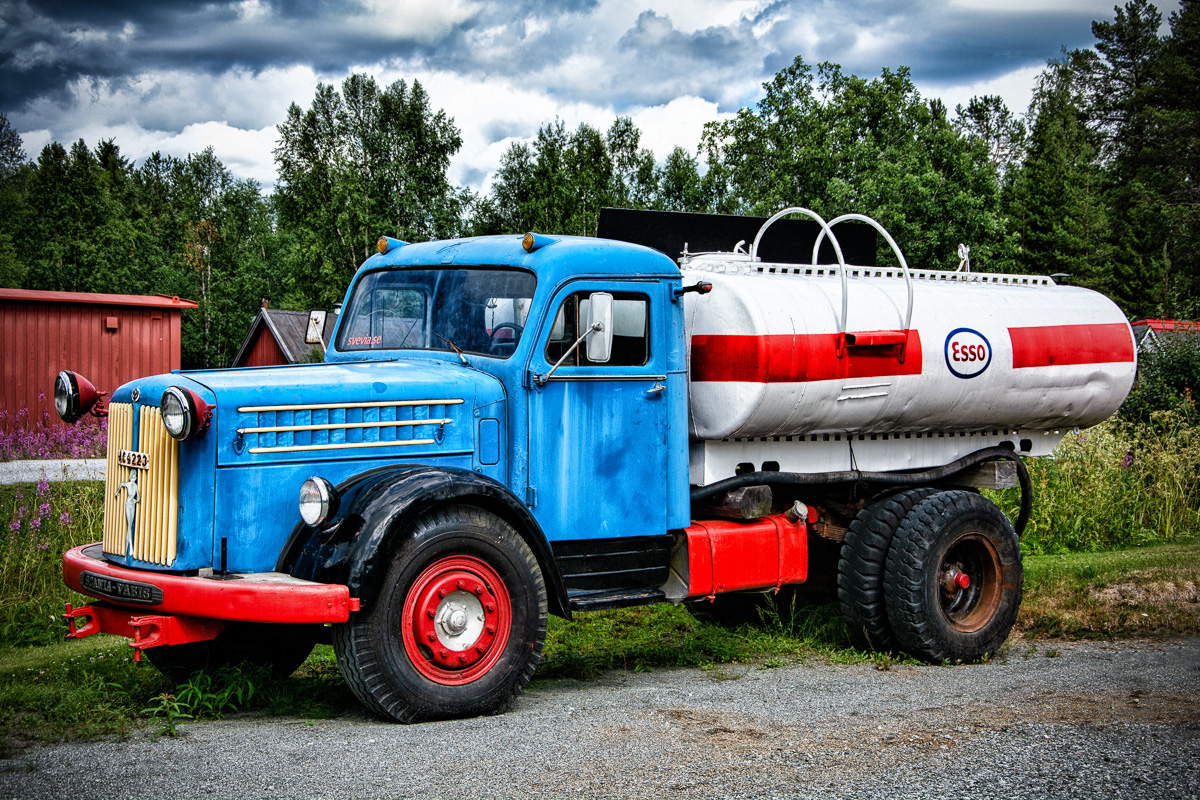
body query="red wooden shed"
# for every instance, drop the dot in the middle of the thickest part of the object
(107, 338)
(286, 337)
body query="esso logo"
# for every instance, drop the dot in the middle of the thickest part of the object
(968, 352)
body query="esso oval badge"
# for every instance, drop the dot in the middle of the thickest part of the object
(968, 352)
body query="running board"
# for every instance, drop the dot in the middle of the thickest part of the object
(621, 598)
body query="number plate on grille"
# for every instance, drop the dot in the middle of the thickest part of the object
(132, 458)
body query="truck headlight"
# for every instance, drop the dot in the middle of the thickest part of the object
(318, 502)
(184, 414)
(74, 396)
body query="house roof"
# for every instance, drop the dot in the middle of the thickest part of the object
(289, 329)
(1173, 325)
(143, 300)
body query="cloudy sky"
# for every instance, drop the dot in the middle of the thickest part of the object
(179, 75)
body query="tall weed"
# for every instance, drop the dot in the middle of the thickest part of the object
(38, 435)
(41, 522)
(1115, 485)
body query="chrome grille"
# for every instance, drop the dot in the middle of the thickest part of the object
(345, 426)
(156, 510)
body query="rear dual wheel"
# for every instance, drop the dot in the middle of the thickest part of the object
(458, 628)
(952, 582)
(861, 566)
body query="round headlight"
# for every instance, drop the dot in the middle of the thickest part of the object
(74, 396)
(65, 395)
(318, 501)
(178, 415)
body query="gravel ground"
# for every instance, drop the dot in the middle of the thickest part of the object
(54, 469)
(1046, 721)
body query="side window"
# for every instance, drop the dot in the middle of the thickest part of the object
(631, 331)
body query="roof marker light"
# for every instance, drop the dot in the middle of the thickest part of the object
(387, 244)
(533, 241)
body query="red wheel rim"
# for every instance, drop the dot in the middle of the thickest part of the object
(456, 620)
(970, 582)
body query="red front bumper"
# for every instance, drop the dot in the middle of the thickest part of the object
(154, 609)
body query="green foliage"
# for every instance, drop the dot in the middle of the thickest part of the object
(1168, 381)
(1055, 198)
(1113, 486)
(41, 522)
(356, 165)
(170, 709)
(837, 143)
(559, 183)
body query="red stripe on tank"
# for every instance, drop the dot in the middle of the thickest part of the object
(1059, 345)
(800, 358)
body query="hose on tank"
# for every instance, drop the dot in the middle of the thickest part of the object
(934, 475)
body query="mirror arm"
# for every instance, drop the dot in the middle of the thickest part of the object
(541, 379)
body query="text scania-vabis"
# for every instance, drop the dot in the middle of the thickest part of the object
(506, 428)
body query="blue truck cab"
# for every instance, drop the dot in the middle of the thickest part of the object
(462, 396)
(499, 432)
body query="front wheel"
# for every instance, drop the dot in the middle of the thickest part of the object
(953, 578)
(459, 626)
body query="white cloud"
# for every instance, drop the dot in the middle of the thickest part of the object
(679, 122)
(32, 142)
(1015, 87)
(414, 20)
(1026, 6)
(253, 10)
(690, 16)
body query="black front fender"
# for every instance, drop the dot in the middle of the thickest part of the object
(376, 512)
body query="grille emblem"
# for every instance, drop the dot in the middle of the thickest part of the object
(131, 502)
(137, 394)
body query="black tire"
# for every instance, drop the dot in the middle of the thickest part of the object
(936, 613)
(736, 609)
(861, 567)
(259, 645)
(468, 584)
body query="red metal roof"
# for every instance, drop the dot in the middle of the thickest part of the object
(1168, 324)
(143, 300)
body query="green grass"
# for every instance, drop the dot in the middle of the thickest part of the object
(91, 687)
(1138, 592)
(649, 637)
(41, 522)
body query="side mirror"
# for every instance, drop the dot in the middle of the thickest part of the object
(600, 323)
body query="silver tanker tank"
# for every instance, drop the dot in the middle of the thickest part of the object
(825, 367)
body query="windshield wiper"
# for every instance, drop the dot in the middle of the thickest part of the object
(455, 348)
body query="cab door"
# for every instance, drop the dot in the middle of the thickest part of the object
(598, 430)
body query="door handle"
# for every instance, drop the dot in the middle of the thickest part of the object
(657, 388)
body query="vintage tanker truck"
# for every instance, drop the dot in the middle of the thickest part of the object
(509, 427)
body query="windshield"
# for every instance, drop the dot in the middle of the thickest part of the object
(478, 310)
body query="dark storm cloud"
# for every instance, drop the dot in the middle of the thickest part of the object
(44, 46)
(568, 48)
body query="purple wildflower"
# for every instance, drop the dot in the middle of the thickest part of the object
(15, 525)
(43, 486)
(1127, 462)
(43, 509)
(64, 518)
(36, 523)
